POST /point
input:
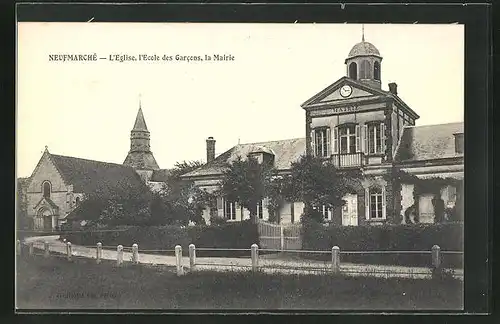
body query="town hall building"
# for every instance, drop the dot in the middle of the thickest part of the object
(360, 128)
(353, 123)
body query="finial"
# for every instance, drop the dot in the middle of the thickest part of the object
(363, 32)
(46, 148)
(139, 100)
(238, 141)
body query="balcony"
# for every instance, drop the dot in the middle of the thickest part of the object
(348, 160)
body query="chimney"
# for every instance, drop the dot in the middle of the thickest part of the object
(210, 149)
(393, 88)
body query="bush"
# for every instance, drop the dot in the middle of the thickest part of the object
(414, 237)
(237, 235)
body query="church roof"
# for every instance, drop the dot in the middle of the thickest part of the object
(285, 152)
(420, 143)
(160, 175)
(140, 123)
(90, 176)
(363, 48)
(141, 160)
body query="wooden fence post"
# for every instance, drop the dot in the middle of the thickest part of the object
(436, 257)
(282, 238)
(255, 256)
(31, 248)
(192, 257)
(135, 253)
(178, 260)
(46, 249)
(119, 255)
(335, 259)
(98, 253)
(19, 247)
(68, 251)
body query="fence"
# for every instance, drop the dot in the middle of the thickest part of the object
(279, 237)
(254, 261)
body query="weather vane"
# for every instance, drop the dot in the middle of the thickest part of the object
(363, 32)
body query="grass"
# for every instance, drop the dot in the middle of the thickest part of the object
(56, 283)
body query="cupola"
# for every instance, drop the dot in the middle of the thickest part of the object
(364, 63)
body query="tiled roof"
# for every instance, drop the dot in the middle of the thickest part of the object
(140, 123)
(141, 160)
(364, 48)
(428, 142)
(88, 175)
(285, 152)
(160, 175)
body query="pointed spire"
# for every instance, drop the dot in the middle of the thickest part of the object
(140, 123)
(363, 32)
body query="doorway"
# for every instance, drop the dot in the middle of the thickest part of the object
(350, 210)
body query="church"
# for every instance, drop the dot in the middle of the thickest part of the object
(353, 122)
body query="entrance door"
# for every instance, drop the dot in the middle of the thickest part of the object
(350, 210)
(426, 209)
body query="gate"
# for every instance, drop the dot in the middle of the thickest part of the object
(279, 237)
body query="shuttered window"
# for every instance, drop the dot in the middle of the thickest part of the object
(322, 142)
(229, 209)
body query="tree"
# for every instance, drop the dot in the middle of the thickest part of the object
(316, 183)
(179, 201)
(247, 182)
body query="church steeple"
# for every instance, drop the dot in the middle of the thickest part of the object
(140, 155)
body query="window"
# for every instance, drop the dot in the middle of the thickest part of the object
(459, 143)
(259, 210)
(77, 201)
(353, 71)
(347, 136)
(322, 141)
(376, 203)
(46, 189)
(375, 138)
(325, 211)
(376, 70)
(229, 209)
(364, 71)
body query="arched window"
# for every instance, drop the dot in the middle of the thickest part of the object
(376, 70)
(77, 201)
(353, 71)
(364, 71)
(46, 189)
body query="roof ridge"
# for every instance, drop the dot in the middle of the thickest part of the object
(431, 125)
(290, 139)
(89, 160)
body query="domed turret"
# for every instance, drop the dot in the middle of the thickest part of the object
(363, 63)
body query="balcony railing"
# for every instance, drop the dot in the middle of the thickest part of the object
(348, 160)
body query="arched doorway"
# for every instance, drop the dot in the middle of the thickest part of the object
(43, 219)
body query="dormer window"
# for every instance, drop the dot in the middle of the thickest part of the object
(459, 143)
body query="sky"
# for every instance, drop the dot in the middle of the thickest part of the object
(87, 109)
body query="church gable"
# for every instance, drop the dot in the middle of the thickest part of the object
(46, 171)
(342, 90)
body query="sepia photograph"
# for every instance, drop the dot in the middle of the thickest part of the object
(239, 166)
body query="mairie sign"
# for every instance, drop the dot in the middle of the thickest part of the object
(336, 110)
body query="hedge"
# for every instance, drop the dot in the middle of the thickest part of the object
(240, 235)
(414, 237)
